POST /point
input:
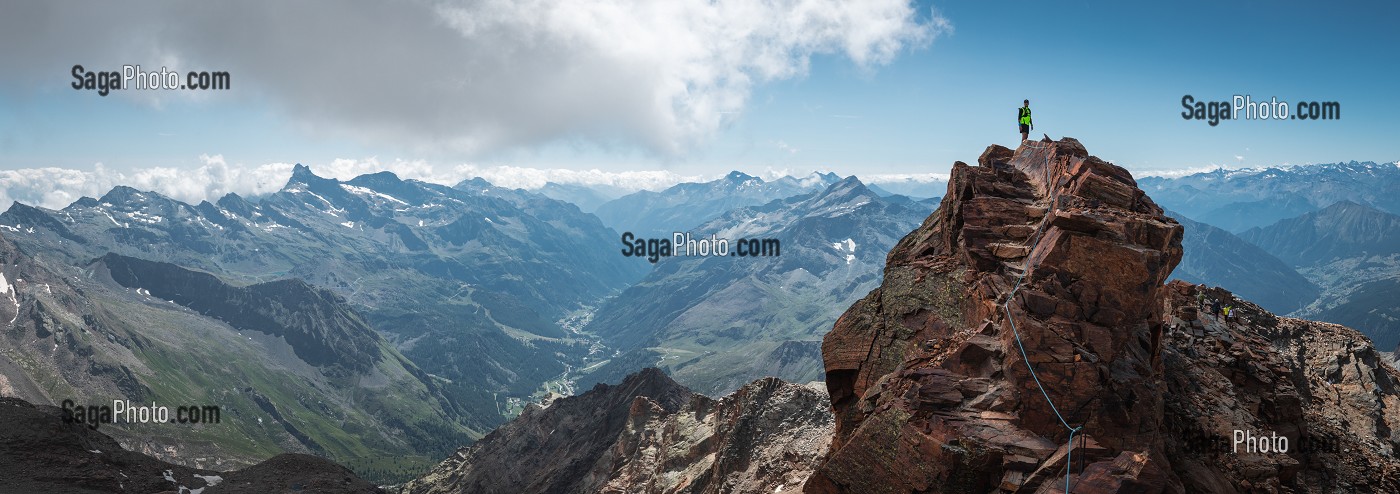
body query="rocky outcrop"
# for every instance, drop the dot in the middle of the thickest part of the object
(1049, 249)
(1321, 386)
(648, 435)
(929, 388)
(40, 453)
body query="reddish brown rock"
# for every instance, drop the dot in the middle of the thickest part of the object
(1088, 314)
(1322, 386)
(931, 392)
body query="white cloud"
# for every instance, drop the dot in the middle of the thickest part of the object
(59, 187)
(534, 178)
(887, 178)
(475, 77)
(213, 178)
(56, 188)
(1177, 173)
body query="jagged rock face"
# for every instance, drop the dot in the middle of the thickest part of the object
(929, 390)
(931, 393)
(648, 435)
(1322, 386)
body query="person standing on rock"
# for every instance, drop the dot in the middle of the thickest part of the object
(1023, 118)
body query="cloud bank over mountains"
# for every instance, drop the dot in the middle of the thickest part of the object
(58, 187)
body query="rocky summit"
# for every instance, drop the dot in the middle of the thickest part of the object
(1023, 340)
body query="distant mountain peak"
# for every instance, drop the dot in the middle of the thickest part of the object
(738, 176)
(371, 179)
(301, 174)
(850, 186)
(474, 182)
(123, 194)
(1346, 204)
(650, 375)
(850, 180)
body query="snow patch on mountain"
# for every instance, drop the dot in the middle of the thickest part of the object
(371, 193)
(848, 247)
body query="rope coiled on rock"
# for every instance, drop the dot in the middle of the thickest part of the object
(1035, 239)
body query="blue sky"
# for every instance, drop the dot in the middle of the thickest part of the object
(364, 85)
(1111, 74)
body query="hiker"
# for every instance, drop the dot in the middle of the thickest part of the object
(1228, 308)
(1214, 307)
(1023, 117)
(1201, 297)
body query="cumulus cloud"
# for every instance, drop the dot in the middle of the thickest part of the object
(58, 187)
(474, 76)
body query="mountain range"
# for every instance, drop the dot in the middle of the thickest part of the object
(1352, 252)
(291, 367)
(1336, 225)
(1342, 230)
(586, 197)
(1237, 200)
(1219, 258)
(684, 206)
(716, 323)
(382, 322)
(469, 269)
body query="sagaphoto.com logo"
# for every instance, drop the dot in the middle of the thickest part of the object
(1245, 107)
(133, 77)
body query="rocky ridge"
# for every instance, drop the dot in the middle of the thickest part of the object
(648, 435)
(932, 392)
(1322, 386)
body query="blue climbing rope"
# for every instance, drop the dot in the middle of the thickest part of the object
(1054, 205)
